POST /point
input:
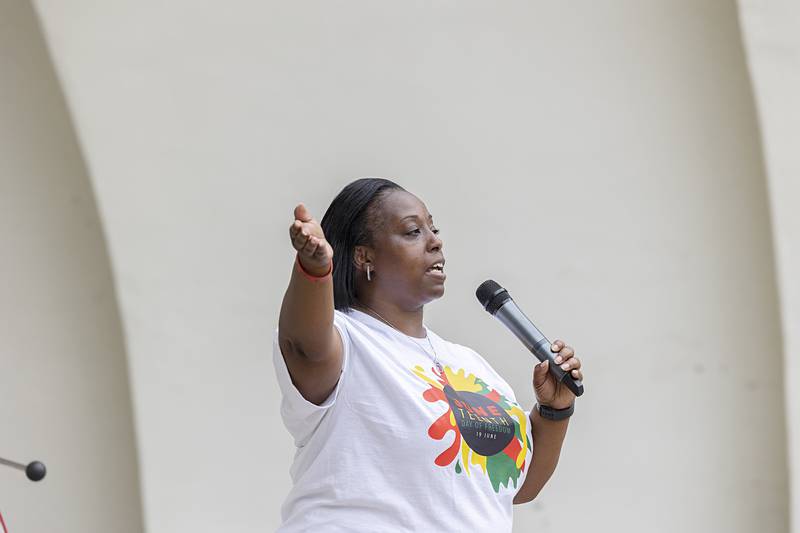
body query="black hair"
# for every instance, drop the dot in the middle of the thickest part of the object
(349, 222)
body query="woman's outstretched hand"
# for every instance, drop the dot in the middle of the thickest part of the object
(548, 390)
(313, 251)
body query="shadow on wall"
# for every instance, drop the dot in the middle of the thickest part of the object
(64, 376)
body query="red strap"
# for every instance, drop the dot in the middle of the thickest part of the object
(311, 276)
(4, 524)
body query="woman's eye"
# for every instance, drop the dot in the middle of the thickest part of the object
(434, 230)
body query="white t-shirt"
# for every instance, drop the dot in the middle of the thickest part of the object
(398, 446)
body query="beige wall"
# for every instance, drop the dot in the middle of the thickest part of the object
(64, 395)
(602, 161)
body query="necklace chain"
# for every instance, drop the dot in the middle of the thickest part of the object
(435, 355)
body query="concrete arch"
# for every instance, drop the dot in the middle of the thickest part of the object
(622, 133)
(63, 370)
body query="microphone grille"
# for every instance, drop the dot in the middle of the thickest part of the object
(491, 295)
(486, 290)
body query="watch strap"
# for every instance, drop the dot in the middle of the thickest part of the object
(555, 414)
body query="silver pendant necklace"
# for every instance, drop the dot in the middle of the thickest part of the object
(435, 355)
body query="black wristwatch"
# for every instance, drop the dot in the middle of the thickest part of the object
(555, 414)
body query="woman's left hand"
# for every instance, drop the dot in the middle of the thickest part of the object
(548, 390)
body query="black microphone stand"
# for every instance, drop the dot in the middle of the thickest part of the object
(35, 471)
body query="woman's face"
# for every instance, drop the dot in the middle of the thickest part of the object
(406, 245)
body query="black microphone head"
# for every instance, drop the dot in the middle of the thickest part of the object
(35, 471)
(491, 295)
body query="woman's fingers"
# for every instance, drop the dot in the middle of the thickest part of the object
(294, 232)
(311, 245)
(573, 364)
(564, 354)
(301, 234)
(295, 228)
(303, 226)
(566, 357)
(322, 251)
(308, 239)
(566, 360)
(540, 373)
(303, 240)
(300, 239)
(301, 213)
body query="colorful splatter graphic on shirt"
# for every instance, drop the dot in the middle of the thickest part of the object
(490, 430)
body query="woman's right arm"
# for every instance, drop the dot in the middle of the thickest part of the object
(311, 346)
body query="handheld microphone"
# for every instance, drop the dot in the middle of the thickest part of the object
(498, 303)
(34, 470)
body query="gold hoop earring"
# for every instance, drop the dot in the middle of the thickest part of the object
(368, 271)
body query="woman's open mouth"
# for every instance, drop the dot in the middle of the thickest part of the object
(437, 271)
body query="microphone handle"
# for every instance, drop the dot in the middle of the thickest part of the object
(534, 340)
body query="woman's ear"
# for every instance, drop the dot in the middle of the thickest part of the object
(361, 256)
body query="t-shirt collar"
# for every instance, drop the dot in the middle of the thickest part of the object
(366, 317)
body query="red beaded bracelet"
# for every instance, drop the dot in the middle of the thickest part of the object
(311, 276)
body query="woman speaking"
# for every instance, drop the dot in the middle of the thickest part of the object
(396, 428)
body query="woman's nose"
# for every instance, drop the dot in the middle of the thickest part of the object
(435, 242)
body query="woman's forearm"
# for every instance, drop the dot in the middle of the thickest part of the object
(548, 437)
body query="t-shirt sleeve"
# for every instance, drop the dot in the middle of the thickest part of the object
(300, 416)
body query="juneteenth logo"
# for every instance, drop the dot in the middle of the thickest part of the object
(490, 430)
